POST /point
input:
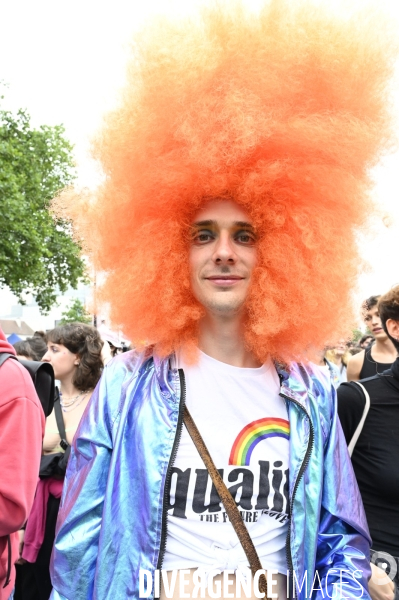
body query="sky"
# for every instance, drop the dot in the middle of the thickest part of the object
(64, 60)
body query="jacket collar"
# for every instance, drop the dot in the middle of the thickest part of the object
(294, 383)
(167, 375)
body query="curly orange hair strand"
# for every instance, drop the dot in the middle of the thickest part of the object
(284, 111)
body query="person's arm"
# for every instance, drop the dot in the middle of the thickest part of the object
(354, 367)
(351, 403)
(378, 591)
(21, 426)
(79, 520)
(343, 552)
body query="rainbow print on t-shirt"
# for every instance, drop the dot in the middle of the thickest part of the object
(252, 434)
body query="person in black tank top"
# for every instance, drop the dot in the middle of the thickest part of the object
(374, 458)
(371, 367)
(380, 356)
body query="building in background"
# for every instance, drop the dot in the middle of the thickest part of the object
(30, 313)
(15, 330)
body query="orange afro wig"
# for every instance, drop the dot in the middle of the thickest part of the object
(283, 110)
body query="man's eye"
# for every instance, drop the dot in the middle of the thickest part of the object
(202, 237)
(245, 238)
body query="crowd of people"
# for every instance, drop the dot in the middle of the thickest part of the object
(372, 353)
(76, 354)
(236, 163)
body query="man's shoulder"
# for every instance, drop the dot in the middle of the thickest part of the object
(357, 359)
(314, 385)
(355, 364)
(314, 390)
(122, 382)
(351, 398)
(123, 369)
(351, 392)
(352, 389)
(15, 382)
(129, 363)
(376, 384)
(351, 404)
(316, 380)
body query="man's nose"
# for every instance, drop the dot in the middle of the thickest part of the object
(224, 250)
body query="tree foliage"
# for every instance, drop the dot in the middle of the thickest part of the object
(37, 252)
(75, 313)
(357, 334)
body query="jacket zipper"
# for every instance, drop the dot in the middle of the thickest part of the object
(298, 479)
(179, 427)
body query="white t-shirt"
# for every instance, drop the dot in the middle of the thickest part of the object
(244, 424)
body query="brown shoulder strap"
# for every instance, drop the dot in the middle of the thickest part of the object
(227, 499)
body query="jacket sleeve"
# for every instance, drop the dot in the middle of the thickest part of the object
(342, 559)
(79, 521)
(21, 434)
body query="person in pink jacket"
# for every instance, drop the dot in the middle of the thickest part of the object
(21, 434)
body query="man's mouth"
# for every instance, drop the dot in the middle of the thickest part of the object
(224, 280)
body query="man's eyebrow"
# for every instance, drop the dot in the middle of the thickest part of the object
(244, 225)
(207, 223)
(211, 223)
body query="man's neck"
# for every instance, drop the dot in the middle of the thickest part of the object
(222, 338)
(384, 348)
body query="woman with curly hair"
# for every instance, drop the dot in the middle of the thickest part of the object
(74, 351)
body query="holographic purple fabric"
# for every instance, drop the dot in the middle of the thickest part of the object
(109, 525)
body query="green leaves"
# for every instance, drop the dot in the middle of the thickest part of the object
(76, 313)
(37, 252)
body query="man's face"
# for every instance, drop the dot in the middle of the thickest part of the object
(222, 256)
(373, 322)
(340, 348)
(366, 342)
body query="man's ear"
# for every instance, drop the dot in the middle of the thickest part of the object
(393, 328)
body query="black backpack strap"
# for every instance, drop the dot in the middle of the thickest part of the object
(60, 420)
(5, 355)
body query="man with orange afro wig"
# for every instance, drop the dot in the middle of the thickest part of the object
(237, 177)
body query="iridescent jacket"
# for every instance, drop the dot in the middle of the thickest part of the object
(113, 521)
